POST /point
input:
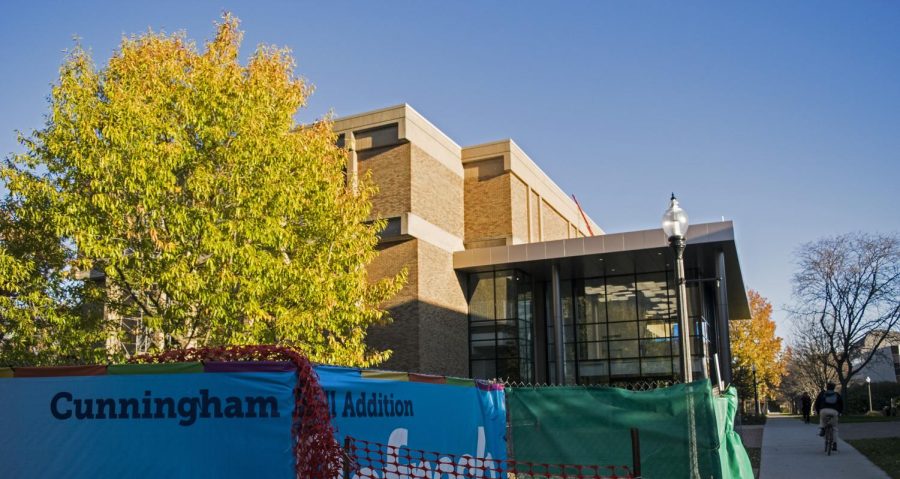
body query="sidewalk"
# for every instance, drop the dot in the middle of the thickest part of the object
(792, 449)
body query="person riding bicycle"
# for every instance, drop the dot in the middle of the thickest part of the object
(829, 404)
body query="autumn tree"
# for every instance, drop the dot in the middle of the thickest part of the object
(754, 345)
(180, 178)
(847, 288)
(44, 318)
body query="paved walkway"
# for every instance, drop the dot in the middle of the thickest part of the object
(794, 450)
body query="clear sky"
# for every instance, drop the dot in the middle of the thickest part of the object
(781, 116)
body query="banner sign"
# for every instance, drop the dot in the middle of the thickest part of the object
(223, 424)
(222, 420)
(396, 410)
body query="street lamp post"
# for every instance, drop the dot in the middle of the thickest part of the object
(675, 226)
(755, 392)
(869, 384)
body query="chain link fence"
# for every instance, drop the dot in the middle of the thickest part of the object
(639, 385)
(371, 460)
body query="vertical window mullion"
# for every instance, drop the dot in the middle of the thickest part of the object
(637, 318)
(606, 325)
(574, 297)
(572, 283)
(515, 302)
(496, 334)
(671, 339)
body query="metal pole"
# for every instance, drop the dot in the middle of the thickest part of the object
(635, 453)
(870, 395)
(724, 346)
(558, 333)
(719, 373)
(678, 245)
(347, 460)
(755, 392)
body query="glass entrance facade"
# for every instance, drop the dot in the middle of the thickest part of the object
(618, 328)
(623, 328)
(500, 326)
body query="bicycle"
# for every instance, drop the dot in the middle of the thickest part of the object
(829, 436)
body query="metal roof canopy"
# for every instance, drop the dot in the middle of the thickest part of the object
(621, 253)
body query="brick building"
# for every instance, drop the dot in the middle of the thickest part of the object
(498, 256)
(885, 363)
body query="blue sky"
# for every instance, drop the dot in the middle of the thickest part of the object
(781, 116)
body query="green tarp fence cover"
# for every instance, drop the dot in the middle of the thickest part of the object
(591, 425)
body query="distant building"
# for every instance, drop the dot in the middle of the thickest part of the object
(885, 363)
(499, 256)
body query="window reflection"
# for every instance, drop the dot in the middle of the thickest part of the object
(617, 327)
(625, 367)
(620, 299)
(657, 329)
(500, 331)
(627, 330)
(653, 297)
(654, 366)
(594, 350)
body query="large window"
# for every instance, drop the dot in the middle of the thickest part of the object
(500, 331)
(618, 328)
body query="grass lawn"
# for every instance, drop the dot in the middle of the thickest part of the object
(883, 452)
(854, 419)
(850, 419)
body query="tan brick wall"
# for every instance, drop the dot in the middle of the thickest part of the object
(518, 209)
(437, 193)
(555, 226)
(429, 332)
(443, 322)
(390, 168)
(401, 335)
(535, 212)
(487, 206)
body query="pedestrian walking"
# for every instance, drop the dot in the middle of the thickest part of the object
(805, 403)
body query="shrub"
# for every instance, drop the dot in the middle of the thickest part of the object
(856, 400)
(753, 419)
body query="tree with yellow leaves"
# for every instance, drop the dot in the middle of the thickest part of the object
(178, 178)
(755, 346)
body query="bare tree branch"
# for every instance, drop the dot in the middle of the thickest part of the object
(851, 285)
